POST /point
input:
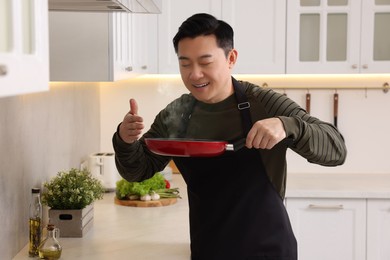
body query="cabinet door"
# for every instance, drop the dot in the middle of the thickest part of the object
(375, 53)
(144, 35)
(323, 36)
(259, 34)
(121, 46)
(24, 65)
(329, 228)
(80, 49)
(91, 46)
(378, 229)
(174, 13)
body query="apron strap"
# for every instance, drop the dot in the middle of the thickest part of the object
(243, 105)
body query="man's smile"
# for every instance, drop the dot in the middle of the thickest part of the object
(201, 85)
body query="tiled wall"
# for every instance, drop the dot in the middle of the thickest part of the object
(41, 134)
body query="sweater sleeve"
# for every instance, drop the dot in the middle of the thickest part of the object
(135, 162)
(317, 141)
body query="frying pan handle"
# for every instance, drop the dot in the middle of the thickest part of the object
(241, 143)
(287, 141)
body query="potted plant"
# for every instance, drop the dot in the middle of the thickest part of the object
(70, 196)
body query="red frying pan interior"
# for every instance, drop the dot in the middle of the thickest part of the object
(185, 148)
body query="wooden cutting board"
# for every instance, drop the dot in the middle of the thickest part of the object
(145, 204)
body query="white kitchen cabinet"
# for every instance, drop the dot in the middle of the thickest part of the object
(259, 29)
(338, 36)
(174, 13)
(375, 37)
(145, 42)
(378, 226)
(98, 46)
(329, 228)
(24, 64)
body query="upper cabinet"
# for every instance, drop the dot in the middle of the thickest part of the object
(259, 28)
(260, 38)
(338, 36)
(24, 65)
(145, 42)
(95, 46)
(375, 37)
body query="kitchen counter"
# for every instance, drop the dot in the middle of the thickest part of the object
(121, 232)
(338, 185)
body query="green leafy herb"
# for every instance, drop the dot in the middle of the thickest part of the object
(125, 188)
(157, 184)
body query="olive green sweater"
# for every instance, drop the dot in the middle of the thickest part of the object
(317, 141)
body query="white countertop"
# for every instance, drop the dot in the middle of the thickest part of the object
(338, 185)
(121, 232)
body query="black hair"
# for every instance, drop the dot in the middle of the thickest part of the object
(206, 24)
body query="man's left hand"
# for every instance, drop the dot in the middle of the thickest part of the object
(265, 133)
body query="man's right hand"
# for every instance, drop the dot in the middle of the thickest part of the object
(132, 125)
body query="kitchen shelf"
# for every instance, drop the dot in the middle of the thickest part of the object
(317, 81)
(385, 87)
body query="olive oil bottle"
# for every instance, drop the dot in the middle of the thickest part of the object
(35, 223)
(50, 248)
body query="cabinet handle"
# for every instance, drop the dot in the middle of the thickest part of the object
(144, 67)
(335, 207)
(129, 68)
(3, 70)
(365, 66)
(354, 66)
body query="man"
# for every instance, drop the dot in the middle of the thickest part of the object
(236, 199)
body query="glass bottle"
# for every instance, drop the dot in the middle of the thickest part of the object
(35, 222)
(50, 248)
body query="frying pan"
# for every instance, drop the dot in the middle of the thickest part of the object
(191, 148)
(195, 148)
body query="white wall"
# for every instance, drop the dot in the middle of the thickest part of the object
(363, 118)
(41, 134)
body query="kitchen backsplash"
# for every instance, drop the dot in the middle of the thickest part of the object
(41, 134)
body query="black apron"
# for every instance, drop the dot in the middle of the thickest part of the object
(235, 212)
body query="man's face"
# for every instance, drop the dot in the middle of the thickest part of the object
(204, 68)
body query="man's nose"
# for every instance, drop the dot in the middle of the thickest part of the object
(196, 72)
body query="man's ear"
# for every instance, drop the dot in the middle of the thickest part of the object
(232, 58)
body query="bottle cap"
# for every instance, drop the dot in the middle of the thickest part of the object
(35, 190)
(50, 227)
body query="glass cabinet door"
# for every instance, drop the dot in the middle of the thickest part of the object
(375, 36)
(5, 26)
(323, 36)
(24, 66)
(5, 32)
(324, 22)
